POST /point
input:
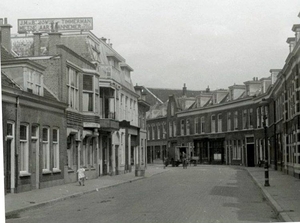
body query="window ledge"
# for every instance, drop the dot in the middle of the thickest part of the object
(70, 170)
(56, 170)
(47, 171)
(24, 174)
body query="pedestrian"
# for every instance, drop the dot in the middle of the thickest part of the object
(81, 175)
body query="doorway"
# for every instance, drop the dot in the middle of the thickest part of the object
(250, 155)
(7, 170)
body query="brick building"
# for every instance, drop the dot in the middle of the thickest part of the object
(34, 124)
(91, 84)
(227, 126)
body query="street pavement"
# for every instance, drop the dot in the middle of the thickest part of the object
(283, 193)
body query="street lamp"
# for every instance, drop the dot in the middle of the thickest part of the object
(267, 184)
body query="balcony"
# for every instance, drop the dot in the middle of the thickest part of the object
(109, 72)
(109, 125)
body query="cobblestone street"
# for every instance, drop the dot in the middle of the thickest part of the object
(196, 194)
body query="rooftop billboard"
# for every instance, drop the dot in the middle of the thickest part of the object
(54, 24)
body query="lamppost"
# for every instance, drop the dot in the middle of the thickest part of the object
(267, 184)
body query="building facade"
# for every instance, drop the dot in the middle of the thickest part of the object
(93, 108)
(236, 126)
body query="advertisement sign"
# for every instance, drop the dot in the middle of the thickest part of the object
(54, 24)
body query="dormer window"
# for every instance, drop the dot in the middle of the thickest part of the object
(33, 81)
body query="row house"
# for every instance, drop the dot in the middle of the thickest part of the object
(141, 154)
(221, 126)
(238, 125)
(94, 118)
(34, 124)
(157, 132)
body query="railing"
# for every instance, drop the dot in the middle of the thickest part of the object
(109, 72)
(109, 115)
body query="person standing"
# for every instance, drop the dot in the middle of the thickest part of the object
(81, 175)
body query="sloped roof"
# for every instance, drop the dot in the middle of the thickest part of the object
(6, 81)
(163, 94)
(5, 55)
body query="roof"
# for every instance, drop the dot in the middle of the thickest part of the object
(162, 94)
(5, 55)
(6, 81)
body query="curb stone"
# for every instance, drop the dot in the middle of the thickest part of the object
(283, 216)
(38, 205)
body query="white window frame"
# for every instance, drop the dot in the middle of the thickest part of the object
(46, 151)
(213, 123)
(73, 90)
(24, 152)
(236, 119)
(85, 108)
(174, 129)
(170, 129)
(187, 127)
(55, 149)
(158, 131)
(229, 121)
(202, 124)
(220, 123)
(182, 127)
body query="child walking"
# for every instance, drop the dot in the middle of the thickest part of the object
(81, 175)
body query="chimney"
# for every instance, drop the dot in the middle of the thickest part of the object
(207, 89)
(54, 40)
(37, 43)
(291, 42)
(184, 90)
(296, 29)
(103, 39)
(274, 74)
(5, 35)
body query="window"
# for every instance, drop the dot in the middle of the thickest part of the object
(258, 118)
(172, 108)
(24, 153)
(170, 129)
(236, 152)
(182, 127)
(267, 115)
(46, 151)
(236, 120)
(250, 118)
(148, 132)
(55, 147)
(33, 82)
(228, 121)
(90, 93)
(245, 119)
(202, 125)
(187, 127)
(261, 116)
(164, 130)
(220, 123)
(174, 129)
(72, 84)
(158, 131)
(213, 123)
(153, 132)
(196, 125)
(91, 153)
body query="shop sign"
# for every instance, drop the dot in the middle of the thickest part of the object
(55, 24)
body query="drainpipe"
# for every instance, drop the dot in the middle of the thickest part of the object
(275, 135)
(17, 144)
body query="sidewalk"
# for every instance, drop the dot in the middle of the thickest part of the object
(283, 193)
(15, 203)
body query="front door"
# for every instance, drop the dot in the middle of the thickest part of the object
(7, 167)
(250, 155)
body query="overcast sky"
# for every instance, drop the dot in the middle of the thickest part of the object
(215, 43)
